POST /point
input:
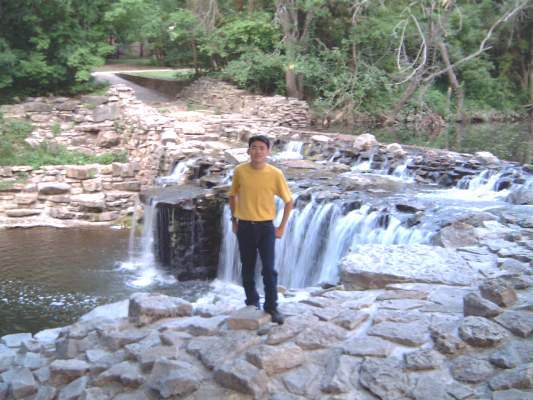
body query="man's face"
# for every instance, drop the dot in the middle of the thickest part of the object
(258, 152)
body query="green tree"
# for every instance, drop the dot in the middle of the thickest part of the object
(50, 46)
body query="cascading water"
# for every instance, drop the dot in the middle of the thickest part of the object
(179, 174)
(316, 238)
(292, 151)
(142, 263)
(402, 171)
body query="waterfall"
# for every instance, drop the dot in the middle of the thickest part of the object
(316, 238)
(142, 263)
(178, 176)
(402, 171)
(292, 151)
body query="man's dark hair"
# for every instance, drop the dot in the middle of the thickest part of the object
(259, 138)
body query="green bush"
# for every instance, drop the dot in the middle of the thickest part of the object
(257, 72)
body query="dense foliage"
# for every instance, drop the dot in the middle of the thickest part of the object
(350, 58)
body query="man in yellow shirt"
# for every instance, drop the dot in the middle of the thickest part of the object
(252, 202)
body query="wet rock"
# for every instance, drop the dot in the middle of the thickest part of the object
(471, 370)
(517, 378)
(243, 377)
(481, 332)
(475, 305)
(367, 347)
(174, 378)
(376, 266)
(145, 308)
(385, 379)
(247, 318)
(422, 360)
(518, 322)
(498, 291)
(276, 359)
(74, 389)
(410, 334)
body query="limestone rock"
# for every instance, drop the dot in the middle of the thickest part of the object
(74, 389)
(481, 332)
(15, 339)
(126, 372)
(107, 139)
(81, 172)
(247, 318)
(367, 347)
(319, 336)
(243, 377)
(105, 112)
(512, 394)
(446, 341)
(410, 334)
(52, 188)
(498, 291)
(376, 266)
(350, 319)
(22, 212)
(145, 308)
(423, 359)
(366, 141)
(45, 393)
(22, 383)
(518, 322)
(456, 235)
(237, 156)
(471, 370)
(474, 304)
(174, 378)
(117, 339)
(339, 373)
(517, 378)
(276, 359)
(506, 357)
(292, 327)
(64, 371)
(385, 379)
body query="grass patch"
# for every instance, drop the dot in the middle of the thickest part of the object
(165, 75)
(15, 151)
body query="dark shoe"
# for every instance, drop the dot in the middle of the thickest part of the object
(277, 317)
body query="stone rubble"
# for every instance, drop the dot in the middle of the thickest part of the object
(385, 343)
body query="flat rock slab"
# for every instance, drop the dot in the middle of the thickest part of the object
(174, 378)
(471, 370)
(410, 334)
(145, 308)
(367, 347)
(15, 340)
(481, 332)
(276, 359)
(376, 266)
(518, 322)
(242, 377)
(196, 326)
(247, 318)
(385, 379)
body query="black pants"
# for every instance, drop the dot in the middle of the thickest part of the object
(259, 237)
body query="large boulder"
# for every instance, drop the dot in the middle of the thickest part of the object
(145, 308)
(376, 266)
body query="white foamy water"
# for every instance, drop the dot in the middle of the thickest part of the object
(179, 174)
(292, 151)
(316, 238)
(142, 265)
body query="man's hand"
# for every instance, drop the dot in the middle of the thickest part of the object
(279, 232)
(234, 226)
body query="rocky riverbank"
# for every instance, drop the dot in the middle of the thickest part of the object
(442, 327)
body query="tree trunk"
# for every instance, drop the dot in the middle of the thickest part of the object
(292, 83)
(408, 93)
(238, 4)
(456, 86)
(194, 57)
(250, 7)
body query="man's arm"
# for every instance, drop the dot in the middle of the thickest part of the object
(286, 212)
(232, 204)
